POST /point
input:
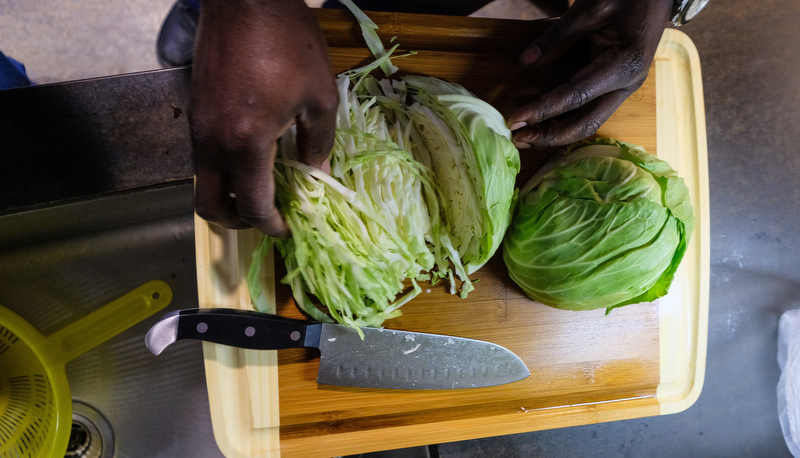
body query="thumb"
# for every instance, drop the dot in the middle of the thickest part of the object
(315, 132)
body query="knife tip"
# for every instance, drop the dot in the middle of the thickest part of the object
(163, 333)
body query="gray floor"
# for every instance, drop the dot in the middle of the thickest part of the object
(62, 40)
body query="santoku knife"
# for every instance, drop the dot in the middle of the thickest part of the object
(384, 358)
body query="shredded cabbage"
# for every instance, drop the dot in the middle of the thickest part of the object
(421, 188)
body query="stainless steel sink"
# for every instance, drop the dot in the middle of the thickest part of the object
(60, 263)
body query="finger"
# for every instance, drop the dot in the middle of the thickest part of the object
(212, 197)
(559, 38)
(580, 124)
(315, 129)
(609, 72)
(255, 190)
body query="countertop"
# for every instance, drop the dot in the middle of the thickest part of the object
(751, 75)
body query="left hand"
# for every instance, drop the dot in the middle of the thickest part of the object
(624, 35)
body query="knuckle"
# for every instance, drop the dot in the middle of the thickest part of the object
(579, 97)
(554, 36)
(590, 127)
(253, 217)
(226, 127)
(258, 212)
(329, 102)
(636, 64)
(218, 216)
(322, 107)
(572, 96)
(230, 133)
(552, 138)
(269, 222)
(237, 131)
(548, 141)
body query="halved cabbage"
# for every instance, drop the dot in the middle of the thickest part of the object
(422, 186)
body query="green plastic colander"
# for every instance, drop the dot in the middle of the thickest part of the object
(35, 402)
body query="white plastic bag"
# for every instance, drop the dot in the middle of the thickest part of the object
(789, 383)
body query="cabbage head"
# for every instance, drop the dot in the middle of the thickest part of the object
(602, 225)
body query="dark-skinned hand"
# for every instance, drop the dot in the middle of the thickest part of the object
(623, 37)
(259, 68)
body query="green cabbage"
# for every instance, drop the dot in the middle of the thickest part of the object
(603, 224)
(422, 186)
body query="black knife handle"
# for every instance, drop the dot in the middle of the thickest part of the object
(244, 328)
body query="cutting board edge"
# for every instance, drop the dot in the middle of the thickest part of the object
(682, 142)
(467, 429)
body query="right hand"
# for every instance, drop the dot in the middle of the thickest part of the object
(624, 35)
(259, 68)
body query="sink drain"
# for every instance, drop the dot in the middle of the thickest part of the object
(80, 439)
(91, 436)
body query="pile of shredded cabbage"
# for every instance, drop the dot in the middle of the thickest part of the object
(421, 188)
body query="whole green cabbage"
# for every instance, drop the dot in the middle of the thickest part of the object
(603, 224)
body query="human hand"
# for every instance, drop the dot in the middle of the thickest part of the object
(623, 35)
(259, 68)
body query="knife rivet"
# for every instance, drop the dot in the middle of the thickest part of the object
(202, 327)
(295, 336)
(249, 331)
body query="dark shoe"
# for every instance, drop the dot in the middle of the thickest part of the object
(12, 73)
(176, 38)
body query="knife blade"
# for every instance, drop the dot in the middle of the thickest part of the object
(384, 358)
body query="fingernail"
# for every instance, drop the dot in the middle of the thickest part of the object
(531, 55)
(522, 145)
(518, 125)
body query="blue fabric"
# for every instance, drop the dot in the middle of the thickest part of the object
(12, 73)
(194, 4)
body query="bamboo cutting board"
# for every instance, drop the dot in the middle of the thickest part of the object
(641, 360)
